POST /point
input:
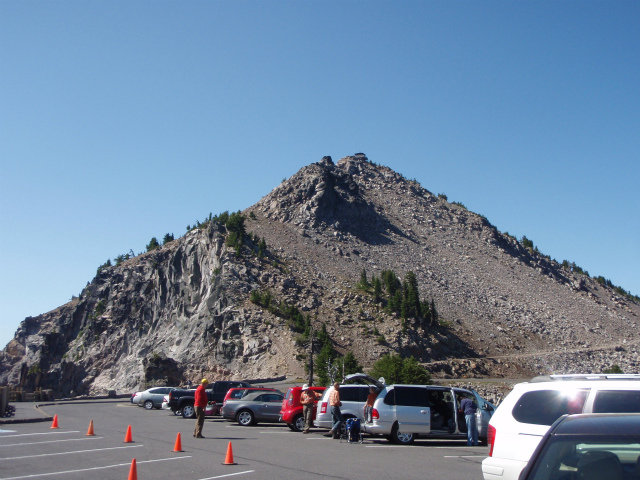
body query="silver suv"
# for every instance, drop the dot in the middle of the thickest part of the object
(404, 412)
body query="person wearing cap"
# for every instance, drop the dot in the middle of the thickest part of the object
(308, 398)
(199, 405)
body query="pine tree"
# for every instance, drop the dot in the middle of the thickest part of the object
(411, 297)
(377, 289)
(363, 283)
(153, 244)
(168, 237)
(262, 248)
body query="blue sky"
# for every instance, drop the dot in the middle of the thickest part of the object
(124, 120)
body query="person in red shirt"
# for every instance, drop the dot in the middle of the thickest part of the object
(200, 404)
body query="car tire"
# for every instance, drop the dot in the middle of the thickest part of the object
(148, 405)
(245, 418)
(188, 411)
(298, 423)
(291, 427)
(401, 438)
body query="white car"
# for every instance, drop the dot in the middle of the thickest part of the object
(135, 398)
(527, 413)
(353, 398)
(403, 413)
(153, 397)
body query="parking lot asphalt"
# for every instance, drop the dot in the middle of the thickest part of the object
(35, 450)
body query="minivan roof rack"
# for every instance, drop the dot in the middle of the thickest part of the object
(587, 376)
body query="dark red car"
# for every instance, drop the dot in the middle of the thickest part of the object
(291, 411)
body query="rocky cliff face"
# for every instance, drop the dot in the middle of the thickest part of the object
(183, 311)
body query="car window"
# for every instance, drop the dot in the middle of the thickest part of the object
(543, 407)
(390, 398)
(352, 394)
(618, 401)
(221, 386)
(272, 397)
(587, 456)
(238, 393)
(363, 394)
(411, 396)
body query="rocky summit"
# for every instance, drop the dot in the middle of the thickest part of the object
(185, 310)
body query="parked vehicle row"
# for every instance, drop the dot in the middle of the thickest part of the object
(402, 413)
(544, 429)
(183, 400)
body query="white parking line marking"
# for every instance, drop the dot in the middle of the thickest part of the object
(391, 446)
(41, 433)
(465, 456)
(228, 475)
(68, 453)
(51, 441)
(91, 469)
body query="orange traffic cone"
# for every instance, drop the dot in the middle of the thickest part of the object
(133, 471)
(178, 447)
(55, 422)
(127, 437)
(90, 430)
(229, 459)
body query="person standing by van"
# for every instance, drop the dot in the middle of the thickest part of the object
(199, 405)
(308, 398)
(469, 408)
(368, 407)
(336, 414)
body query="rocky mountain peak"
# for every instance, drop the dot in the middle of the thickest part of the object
(185, 310)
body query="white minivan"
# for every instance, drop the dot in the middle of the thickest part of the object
(403, 413)
(526, 414)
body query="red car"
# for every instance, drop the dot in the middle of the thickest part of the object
(291, 411)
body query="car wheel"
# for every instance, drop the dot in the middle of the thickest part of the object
(188, 411)
(343, 425)
(148, 405)
(177, 413)
(245, 418)
(298, 423)
(291, 427)
(401, 438)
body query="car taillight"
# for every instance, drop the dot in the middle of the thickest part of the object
(374, 414)
(491, 438)
(323, 407)
(170, 396)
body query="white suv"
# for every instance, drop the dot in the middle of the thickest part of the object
(530, 409)
(353, 398)
(403, 412)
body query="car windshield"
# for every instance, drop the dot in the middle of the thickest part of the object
(614, 457)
